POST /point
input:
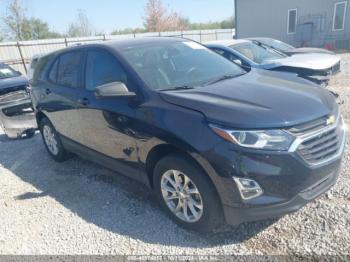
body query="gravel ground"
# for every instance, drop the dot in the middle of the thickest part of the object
(80, 208)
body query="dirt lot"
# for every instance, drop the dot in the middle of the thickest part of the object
(81, 208)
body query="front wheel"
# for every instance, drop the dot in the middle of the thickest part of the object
(186, 194)
(52, 141)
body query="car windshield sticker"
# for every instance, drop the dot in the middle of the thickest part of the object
(5, 71)
(194, 45)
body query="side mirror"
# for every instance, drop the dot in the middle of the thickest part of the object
(114, 89)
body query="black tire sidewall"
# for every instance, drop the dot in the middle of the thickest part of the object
(212, 216)
(62, 154)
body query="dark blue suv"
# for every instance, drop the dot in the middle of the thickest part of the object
(215, 143)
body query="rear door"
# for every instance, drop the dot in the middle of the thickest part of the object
(60, 93)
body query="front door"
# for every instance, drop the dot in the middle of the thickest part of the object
(107, 123)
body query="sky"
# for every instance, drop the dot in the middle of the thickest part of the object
(108, 15)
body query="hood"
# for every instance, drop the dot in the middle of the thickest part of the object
(308, 61)
(309, 50)
(258, 99)
(13, 82)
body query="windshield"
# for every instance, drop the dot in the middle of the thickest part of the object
(276, 44)
(7, 72)
(167, 66)
(256, 53)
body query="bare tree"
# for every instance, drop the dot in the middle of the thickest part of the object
(158, 19)
(15, 20)
(82, 26)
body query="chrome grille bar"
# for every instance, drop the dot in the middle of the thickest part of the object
(319, 146)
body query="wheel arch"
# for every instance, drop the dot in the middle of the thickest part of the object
(162, 150)
(39, 116)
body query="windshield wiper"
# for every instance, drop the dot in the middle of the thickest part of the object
(222, 78)
(184, 87)
(268, 48)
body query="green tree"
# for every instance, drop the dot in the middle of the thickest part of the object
(19, 27)
(40, 30)
(128, 30)
(228, 23)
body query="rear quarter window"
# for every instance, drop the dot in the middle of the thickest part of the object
(53, 72)
(40, 69)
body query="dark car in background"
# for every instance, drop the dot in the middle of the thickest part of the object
(215, 143)
(17, 118)
(287, 48)
(317, 68)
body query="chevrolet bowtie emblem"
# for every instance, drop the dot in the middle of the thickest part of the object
(331, 120)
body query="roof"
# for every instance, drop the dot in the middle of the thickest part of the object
(122, 43)
(135, 42)
(227, 42)
(259, 38)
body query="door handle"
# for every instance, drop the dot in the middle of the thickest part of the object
(84, 101)
(47, 91)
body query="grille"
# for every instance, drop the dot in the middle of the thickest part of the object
(322, 147)
(309, 127)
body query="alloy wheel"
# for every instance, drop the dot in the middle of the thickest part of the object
(182, 196)
(50, 140)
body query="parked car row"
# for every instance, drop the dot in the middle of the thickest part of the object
(16, 116)
(217, 140)
(313, 65)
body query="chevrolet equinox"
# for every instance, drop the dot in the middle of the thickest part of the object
(215, 143)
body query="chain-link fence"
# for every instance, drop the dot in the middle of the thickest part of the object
(19, 54)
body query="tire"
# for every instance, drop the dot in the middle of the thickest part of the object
(58, 153)
(206, 219)
(29, 133)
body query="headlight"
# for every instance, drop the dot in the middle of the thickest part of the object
(260, 139)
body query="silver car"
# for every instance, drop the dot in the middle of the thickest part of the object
(317, 68)
(287, 48)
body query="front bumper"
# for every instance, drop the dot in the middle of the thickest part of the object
(288, 179)
(325, 76)
(237, 215)
(16, 114)
(322, 81)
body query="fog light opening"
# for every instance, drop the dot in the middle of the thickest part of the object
(248, 188)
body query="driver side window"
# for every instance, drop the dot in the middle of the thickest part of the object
(102, 68)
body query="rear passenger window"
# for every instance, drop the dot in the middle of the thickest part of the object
(69, 69)
(66, 70)
(102, 68)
